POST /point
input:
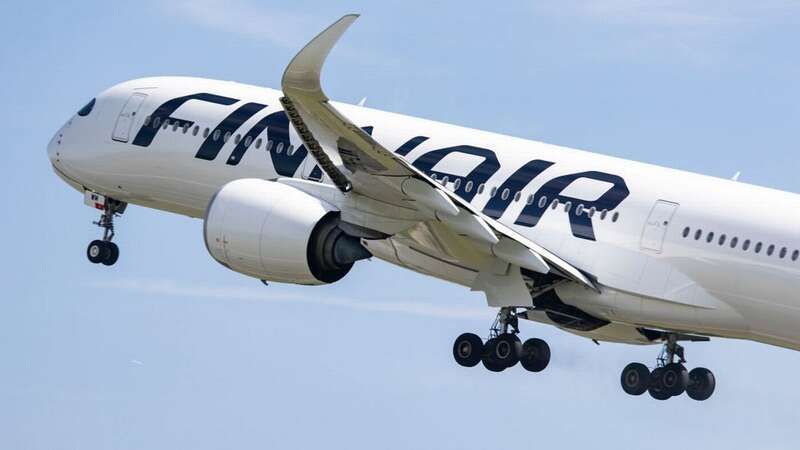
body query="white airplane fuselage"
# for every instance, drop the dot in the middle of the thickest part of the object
(677, 251)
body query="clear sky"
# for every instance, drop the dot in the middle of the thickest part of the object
(168, 349)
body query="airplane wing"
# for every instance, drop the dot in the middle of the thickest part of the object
(356, 162)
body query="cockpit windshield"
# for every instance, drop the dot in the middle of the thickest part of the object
(83, 112)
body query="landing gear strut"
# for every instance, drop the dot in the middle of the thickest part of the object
(670, 377)
(503, 349)
(103, 251)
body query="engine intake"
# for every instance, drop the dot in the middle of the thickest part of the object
(272, 231)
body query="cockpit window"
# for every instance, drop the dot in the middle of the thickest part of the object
(83, 112)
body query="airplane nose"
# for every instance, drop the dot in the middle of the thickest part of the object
(53, 147)
(51, 151)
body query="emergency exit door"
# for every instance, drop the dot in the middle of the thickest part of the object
(658, 222)
(122, 129)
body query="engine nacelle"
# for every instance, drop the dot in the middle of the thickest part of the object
(275, 232)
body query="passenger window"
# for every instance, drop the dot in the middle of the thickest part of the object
(758, 247)
(567, 207)
(291, 150)
(615, 217)
(529, 200)
(175, 125)
(783, 252)
(746, 245)
(270, 142)
(722, 239)
(216, 134)
(506, 193)
(554, 204)
(603, 214)
(444, 181)
(248, 140)
(157, 122)
(237, 139)
(186, 127)
(195, 130)
(795, 255)
(258, 143)
(226, 137)
(770, 250)
(480, 188)
(697, 234)
(493, 192)
(592, 210)
(457, 184)
(579, 210)
(734, 241)
(205, 132)
(468, 186)
(165, 124)
(147, 121)
(686, 232)
(517, 196)
(710, 236)
(279, 148)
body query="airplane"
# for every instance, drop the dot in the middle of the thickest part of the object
(295, 188)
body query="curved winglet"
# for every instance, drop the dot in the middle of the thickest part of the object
(303, 72)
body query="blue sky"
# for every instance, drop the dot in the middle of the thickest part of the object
(168, 349)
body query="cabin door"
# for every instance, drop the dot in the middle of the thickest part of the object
(655, 229)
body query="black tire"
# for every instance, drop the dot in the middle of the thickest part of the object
(113, 254)
(674, 379)
(487, 358)
(635, 379)
(468, 349)
(656, 390)
(535, 355)
(701, 384)
(507, 349)
(97, 251)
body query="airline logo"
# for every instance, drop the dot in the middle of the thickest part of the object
(286, 163)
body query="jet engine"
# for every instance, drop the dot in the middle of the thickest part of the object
(272, 231)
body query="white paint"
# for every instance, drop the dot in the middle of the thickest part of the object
(687, 284)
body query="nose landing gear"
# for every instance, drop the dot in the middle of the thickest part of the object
(503, 349)
(103, 251)
(670, 378)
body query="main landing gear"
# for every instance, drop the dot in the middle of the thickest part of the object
(669, 378)
(103, 251)
(503, 349)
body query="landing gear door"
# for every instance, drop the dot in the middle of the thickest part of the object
(655, 229)
(122, 129)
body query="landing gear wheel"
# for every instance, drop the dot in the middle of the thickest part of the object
(674, 379)
(507, 349)
(656, 389)
(103, 250)
(112, 254)
(488, 359)
(468, 349)
(535, 355)
(701, 384)
(635, 379)
(97, 251)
